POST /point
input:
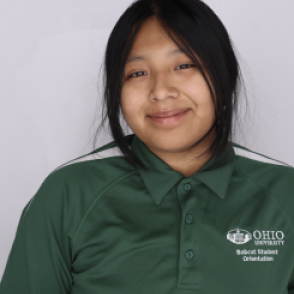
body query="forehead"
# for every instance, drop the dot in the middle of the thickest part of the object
(151, 39)
(151, 35)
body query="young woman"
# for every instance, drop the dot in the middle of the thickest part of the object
(175, 207)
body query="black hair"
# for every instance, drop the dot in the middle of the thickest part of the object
(194, 27)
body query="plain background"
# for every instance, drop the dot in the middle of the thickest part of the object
(50, 55)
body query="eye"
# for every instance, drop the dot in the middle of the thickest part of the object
(137, 74)
(183, 65)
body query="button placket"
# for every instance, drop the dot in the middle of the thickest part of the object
(188, 257)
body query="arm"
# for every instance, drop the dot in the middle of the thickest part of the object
(40, 258)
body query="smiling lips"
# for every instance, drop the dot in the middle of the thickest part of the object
(168, 118)
(168, 113)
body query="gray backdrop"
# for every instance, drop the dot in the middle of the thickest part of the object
(50, 56)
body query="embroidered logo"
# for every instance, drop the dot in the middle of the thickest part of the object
(259, 238)
(239, 236)
(271, 238)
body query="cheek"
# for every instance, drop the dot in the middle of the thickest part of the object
(198, 91)
(131, 102)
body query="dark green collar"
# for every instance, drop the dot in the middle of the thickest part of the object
(215, 174)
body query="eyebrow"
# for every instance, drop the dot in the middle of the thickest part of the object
(144, 57)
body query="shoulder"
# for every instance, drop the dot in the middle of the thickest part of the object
(105, 162)
(91, 172)
(271, 177)
(69, 190)
(260, 167)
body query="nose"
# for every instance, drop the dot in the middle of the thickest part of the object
(162, 86)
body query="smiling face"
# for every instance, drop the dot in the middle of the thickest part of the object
(164, 78)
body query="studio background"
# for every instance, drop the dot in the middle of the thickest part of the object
(51, 54)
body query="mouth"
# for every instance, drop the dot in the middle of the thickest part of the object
(168, 113)
(170, 118)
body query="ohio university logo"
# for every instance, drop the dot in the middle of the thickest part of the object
(240, 236)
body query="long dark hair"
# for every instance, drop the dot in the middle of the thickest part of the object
(194, 27)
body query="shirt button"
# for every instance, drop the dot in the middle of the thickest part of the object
(189, 218)
(189, 254)
(187, 186)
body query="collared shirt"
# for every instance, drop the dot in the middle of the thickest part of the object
(98, 224)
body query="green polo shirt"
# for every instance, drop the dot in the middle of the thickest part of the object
(98, 224)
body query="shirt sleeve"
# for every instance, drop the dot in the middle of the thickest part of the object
(40, 258)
